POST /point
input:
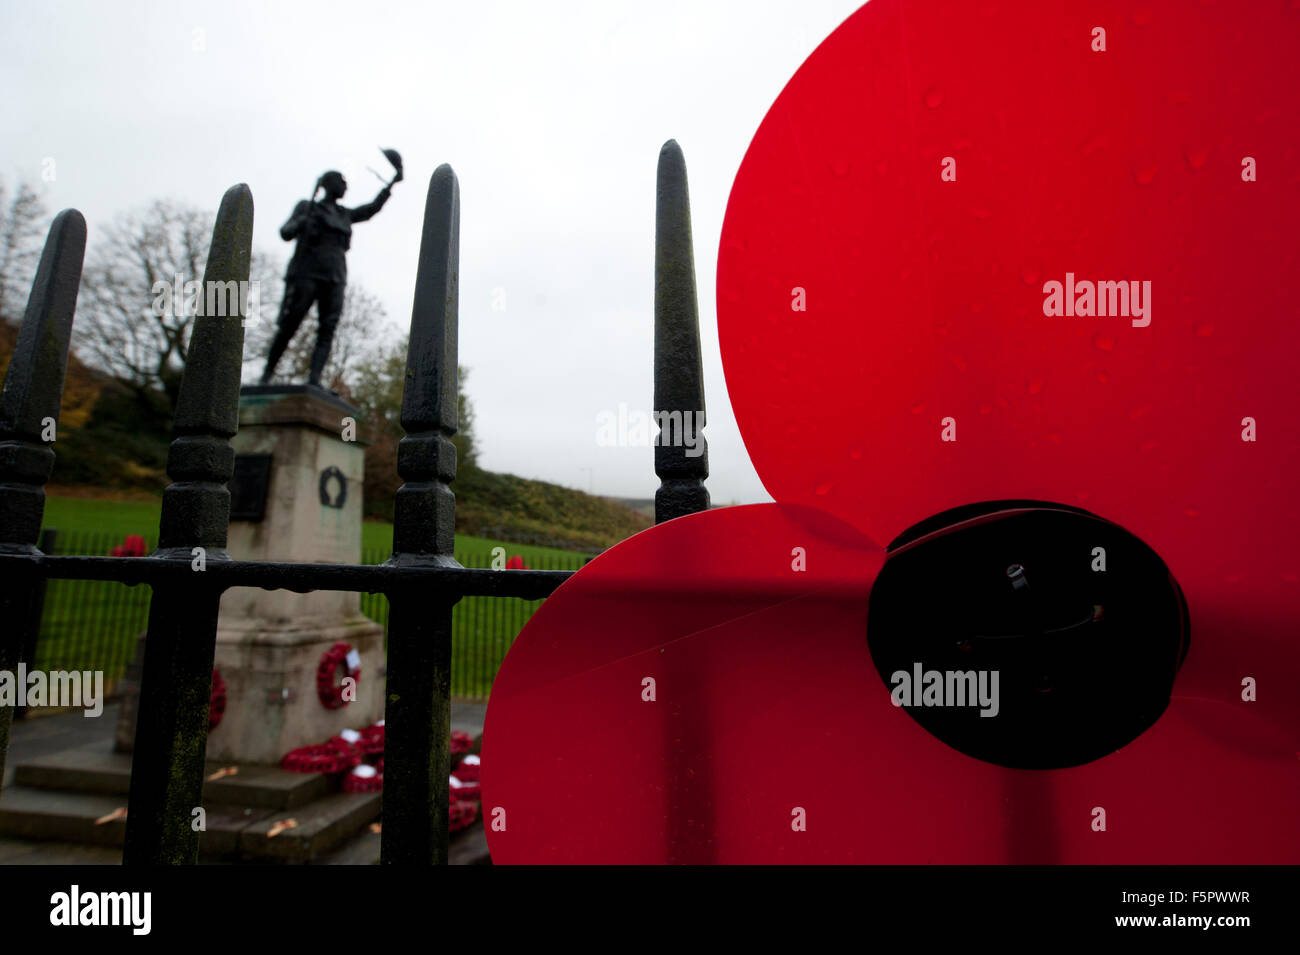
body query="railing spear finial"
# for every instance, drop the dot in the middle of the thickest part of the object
(424, 522)
(33, 387)
(29, 404)
(175, 684)
(682, 454)
(417, 713)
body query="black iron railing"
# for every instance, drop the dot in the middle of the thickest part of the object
(422, 580)
(94, 625)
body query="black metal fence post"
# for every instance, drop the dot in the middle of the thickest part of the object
(29, 404)
(682, 464)
(49, 540)
(417, 714)
(171, 728)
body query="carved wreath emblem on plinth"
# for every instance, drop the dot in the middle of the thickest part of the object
(326, 476)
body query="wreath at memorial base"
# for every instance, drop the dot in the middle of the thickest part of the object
(349, 751)
(217, 701)
(461, 814)
(332, 756)
(468, 770)
(461, 791)
(364, 779)
(372, 739)
(329, 692)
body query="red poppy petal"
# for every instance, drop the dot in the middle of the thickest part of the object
(568, 734)
(925, 298)
(772, 738)
(1210, 783)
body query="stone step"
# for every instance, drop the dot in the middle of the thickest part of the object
(95, 769)
(323, 825)
(361, 849)
(65, 816)
(232, 833)
(45, 852)
(467, 847)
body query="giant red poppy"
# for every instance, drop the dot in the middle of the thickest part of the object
(951, 445)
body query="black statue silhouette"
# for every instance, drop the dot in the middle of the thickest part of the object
(318, 271)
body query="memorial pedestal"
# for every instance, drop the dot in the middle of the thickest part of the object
(270, 642)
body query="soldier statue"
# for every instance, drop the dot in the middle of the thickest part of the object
(318, 270)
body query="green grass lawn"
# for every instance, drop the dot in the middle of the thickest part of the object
(116, 519)
(92, 625)
(112, 518)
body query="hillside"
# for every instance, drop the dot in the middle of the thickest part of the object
(501, 507)
(510, 508)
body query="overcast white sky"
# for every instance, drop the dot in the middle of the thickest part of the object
(552, 115)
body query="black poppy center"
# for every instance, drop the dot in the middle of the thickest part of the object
(1028, 634)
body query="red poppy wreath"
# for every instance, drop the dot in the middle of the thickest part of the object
(329, 690)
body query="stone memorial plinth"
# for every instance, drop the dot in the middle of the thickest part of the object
(271, 642)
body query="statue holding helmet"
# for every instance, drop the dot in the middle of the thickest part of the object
(317, 273)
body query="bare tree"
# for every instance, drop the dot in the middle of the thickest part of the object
(22, 223)
(118, 328)
(22, 233)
